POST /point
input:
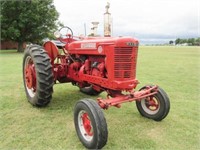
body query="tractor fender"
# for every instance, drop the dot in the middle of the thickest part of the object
(51, 49)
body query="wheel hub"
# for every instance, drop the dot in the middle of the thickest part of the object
(29, 76)
(87, 124)
(152, 104)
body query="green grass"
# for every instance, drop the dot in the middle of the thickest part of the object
(175, 69)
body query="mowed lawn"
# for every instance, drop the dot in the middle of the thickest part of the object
(175, 69)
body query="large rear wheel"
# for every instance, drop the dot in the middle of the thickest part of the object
(37, 76)
(90, 124)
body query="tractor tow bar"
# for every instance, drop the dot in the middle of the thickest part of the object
(118, 99)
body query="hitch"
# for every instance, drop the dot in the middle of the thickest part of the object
(118, 99)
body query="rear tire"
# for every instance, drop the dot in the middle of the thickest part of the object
(90, 91)
(90, 124)
(37, 76)
(155, 107)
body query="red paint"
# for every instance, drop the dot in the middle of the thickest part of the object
(30, 76)
(109, 64)
(52, 50)
(87, 124)
(117, 97)
(152, 103)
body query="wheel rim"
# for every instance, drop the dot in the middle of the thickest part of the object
(30, 77)
(150, 105)
(85, 125)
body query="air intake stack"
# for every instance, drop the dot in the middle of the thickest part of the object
(107, 21)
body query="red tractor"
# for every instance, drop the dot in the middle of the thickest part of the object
(94, 64)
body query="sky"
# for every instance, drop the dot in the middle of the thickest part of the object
(150, 21)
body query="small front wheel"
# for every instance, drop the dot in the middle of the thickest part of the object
(154, 107)
(90, 124)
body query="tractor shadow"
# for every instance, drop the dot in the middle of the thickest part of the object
(65, 97)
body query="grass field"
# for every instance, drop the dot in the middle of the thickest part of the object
(175, 69)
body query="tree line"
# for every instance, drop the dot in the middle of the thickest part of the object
(189, 41)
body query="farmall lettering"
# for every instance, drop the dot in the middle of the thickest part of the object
(94, 65)
(88, 45)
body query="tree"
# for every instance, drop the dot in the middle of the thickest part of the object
(27, 21)
(197, 41)
(177, 41)
(171, 42)
(191, 41)
(182, 41)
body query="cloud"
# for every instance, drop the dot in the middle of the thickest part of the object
(148, 20)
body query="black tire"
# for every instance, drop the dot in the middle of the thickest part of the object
(162, 103)
(39, 90)
(90, 124)
(90, 91)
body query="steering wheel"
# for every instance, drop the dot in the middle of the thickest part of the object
(65, 35)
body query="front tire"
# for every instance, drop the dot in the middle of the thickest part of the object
(90, 124)
(155, 107)
(37, 76)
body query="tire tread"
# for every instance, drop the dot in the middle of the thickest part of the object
(44, 75)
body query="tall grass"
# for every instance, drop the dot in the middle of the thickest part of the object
(175, 69)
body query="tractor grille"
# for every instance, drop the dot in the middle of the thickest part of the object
(124, 62)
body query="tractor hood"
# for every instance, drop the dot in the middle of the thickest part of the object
(97, 45)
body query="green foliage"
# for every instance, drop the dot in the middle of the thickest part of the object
(175, 69)
(28, 21)
(171, 42)
(177, 41)
(190, 41)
